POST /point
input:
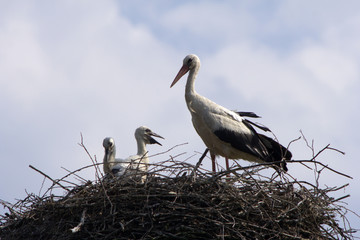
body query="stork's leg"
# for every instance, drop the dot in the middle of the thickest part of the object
(227, 164)
(227, 168)
(213, 162)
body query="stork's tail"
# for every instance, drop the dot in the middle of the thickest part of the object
(277, 152)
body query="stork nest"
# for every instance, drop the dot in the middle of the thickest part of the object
(180, 201)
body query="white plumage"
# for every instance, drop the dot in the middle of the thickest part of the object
(136, 164)
(225, 132)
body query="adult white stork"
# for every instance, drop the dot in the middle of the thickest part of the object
(225, 132)
(139, 162)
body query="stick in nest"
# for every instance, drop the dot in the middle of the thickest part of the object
(54, 182)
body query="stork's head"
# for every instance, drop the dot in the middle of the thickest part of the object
(145, 134)
(190, 62)
(109, 143)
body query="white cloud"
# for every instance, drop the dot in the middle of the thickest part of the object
(23, 65)
(258, 73)
(206, 19)
(333, 69)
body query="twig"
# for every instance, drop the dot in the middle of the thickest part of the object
(54, 181)
(311, 147)
(225, 172)
(78, 170)
(337, 150)
(292, 141)
(325, 166)
(193, 174)
(170, 149)
(83, 179)
(341, 198)
(98, 172)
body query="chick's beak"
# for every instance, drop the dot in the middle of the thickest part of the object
(152, 140)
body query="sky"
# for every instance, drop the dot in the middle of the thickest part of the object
(104, 68)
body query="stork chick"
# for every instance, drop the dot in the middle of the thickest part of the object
(133, 164)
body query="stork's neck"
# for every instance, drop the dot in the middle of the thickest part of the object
(141, 147)
(142, 153)
(190, 84)
(109, 159)
(110, 155)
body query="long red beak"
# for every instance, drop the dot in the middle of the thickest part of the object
(183, 70)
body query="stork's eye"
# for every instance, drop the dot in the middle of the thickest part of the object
(189, 61)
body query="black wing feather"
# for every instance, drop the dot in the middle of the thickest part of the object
(258, 145)
(265, 129)
(253, 115)
(250, 144)
(248, 114)
(277, 152)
